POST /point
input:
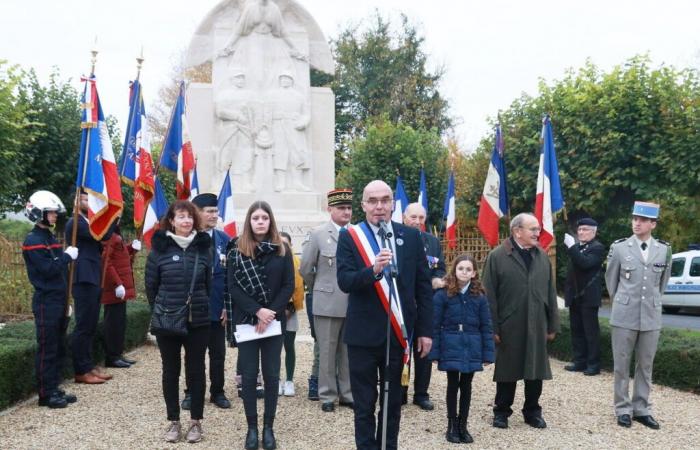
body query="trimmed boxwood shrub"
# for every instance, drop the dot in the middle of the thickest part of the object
(18, 347)
(677, 361)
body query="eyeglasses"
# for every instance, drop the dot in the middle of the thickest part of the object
(532, 229)
(376, 201)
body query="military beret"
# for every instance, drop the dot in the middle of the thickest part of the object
(339, 197)
(588, 221)
(205, 200)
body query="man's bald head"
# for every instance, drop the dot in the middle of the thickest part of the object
(414, 216)
(377, 201)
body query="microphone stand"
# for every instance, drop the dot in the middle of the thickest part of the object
(392, 272)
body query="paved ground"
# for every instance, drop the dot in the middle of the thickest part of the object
(129, 412)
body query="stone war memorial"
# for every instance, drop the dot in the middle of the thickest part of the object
(259, 118)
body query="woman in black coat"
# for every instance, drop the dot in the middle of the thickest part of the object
(260, 279)
(169, 273)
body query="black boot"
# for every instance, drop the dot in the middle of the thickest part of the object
(464, 435)
(251, 438)
(452, 434)
(269, 442)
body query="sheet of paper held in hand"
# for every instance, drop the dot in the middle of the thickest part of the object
(246, 332)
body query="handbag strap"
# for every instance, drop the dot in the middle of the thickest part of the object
(194, 274)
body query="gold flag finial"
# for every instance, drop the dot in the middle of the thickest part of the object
(93, 60)
(139, 63)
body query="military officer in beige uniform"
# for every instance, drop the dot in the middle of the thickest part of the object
(636, 276)
(330, 304)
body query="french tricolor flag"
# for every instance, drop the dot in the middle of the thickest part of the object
(400, 201)
(549, 199)
(177, 155)
(225, 206)
(97, 167)
(156, 209)
(194, 184)
(423, 195)
(494, 199)
(450, 213)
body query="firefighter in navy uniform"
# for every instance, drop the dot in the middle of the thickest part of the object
(46, 264)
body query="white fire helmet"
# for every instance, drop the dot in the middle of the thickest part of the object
(42, 202)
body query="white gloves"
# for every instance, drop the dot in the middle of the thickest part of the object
(72, 252)
(569, 240)
(120, 292)
(136, 245)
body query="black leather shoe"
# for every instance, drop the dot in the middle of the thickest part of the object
(251, 439)
(70, 398)
(536, 422)
(425, 405)
(186, 402)
(221, 401)
(591, 371)
(573, 367)
(269, 441)
(55, 400)
(328, 407)
(118, 363)
(500, 422)
(128, 360)
(647, 421)
(350, 405)
(624, 420)
(464, 435)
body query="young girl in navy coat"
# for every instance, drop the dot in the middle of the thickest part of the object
(462, 340)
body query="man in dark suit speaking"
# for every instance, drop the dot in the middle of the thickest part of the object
(363, 272)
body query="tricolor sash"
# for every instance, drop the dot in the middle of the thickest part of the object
(368, 248)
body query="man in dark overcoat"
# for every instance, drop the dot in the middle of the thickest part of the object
(519, 283)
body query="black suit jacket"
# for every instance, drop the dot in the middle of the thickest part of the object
(365, 322)
(88, 266)
(585, 265)
(432, 247)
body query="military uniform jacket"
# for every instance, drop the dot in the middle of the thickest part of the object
(318, 268)
(88, 266)
(45, 262)
(635, 286)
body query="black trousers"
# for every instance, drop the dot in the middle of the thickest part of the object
(422, 369)
(114, 323)
(217, 359)
(462, 383)
(50, 321)
(87, 314)
(265, 353)
(170, 347)
(366, 368)
(505, 394)
(585, 335)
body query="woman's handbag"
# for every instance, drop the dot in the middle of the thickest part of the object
(172, 320)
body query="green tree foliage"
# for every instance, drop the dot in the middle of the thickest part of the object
(625, 135)
(17, 132)
(51, 159)
(382, 71)
(387, 149)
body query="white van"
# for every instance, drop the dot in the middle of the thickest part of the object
(683, 290)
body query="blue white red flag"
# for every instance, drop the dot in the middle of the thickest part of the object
(423, 195)
(177, 155)
(450, 213)
(194, 184)
(97, 168)
(400, 201)
(156, 209)
(494, 199)
(136, 166)
(225, 206)
(549, 198)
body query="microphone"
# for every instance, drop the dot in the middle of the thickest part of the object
(384, 230)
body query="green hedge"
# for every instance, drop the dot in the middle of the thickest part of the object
(677, 361)
(18, 346)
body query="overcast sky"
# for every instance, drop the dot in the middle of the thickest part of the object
(492, 50)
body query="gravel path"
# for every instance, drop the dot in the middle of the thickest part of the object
(129, 412)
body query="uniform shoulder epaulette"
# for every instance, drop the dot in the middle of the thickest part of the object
(620, 240)
(661, 241)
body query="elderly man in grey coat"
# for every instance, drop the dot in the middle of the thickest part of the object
(520, 286)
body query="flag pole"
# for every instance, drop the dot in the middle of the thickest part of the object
(76, 205)
(139, 65)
